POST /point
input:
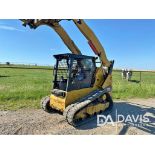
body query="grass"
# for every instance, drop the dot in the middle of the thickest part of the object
(123, 89)
(24, 88)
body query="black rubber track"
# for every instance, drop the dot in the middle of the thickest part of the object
(73, 109)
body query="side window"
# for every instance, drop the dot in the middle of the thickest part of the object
(82, 73)
(88, 64)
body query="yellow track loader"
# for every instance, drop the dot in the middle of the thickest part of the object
(80, 88)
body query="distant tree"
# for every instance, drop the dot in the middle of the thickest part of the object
(8, 63)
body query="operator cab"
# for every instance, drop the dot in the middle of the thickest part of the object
(73, 72)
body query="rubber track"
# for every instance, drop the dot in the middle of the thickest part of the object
(72, 109)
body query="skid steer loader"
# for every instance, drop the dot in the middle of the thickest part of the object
(80, 88)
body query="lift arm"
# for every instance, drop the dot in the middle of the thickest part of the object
(92, 41)
(82, 26)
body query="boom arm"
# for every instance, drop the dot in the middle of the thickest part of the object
(82, 26)
(92, 41)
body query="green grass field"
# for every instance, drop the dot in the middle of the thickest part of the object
(123, 89)
(23, 88)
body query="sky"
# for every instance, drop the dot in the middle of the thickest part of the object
(131, 43)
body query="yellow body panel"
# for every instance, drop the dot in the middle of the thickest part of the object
(74, 95)
(57, 103)
(61, 103)
(99, 78)
(108, 81)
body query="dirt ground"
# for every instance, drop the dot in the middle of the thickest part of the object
(32, 122)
